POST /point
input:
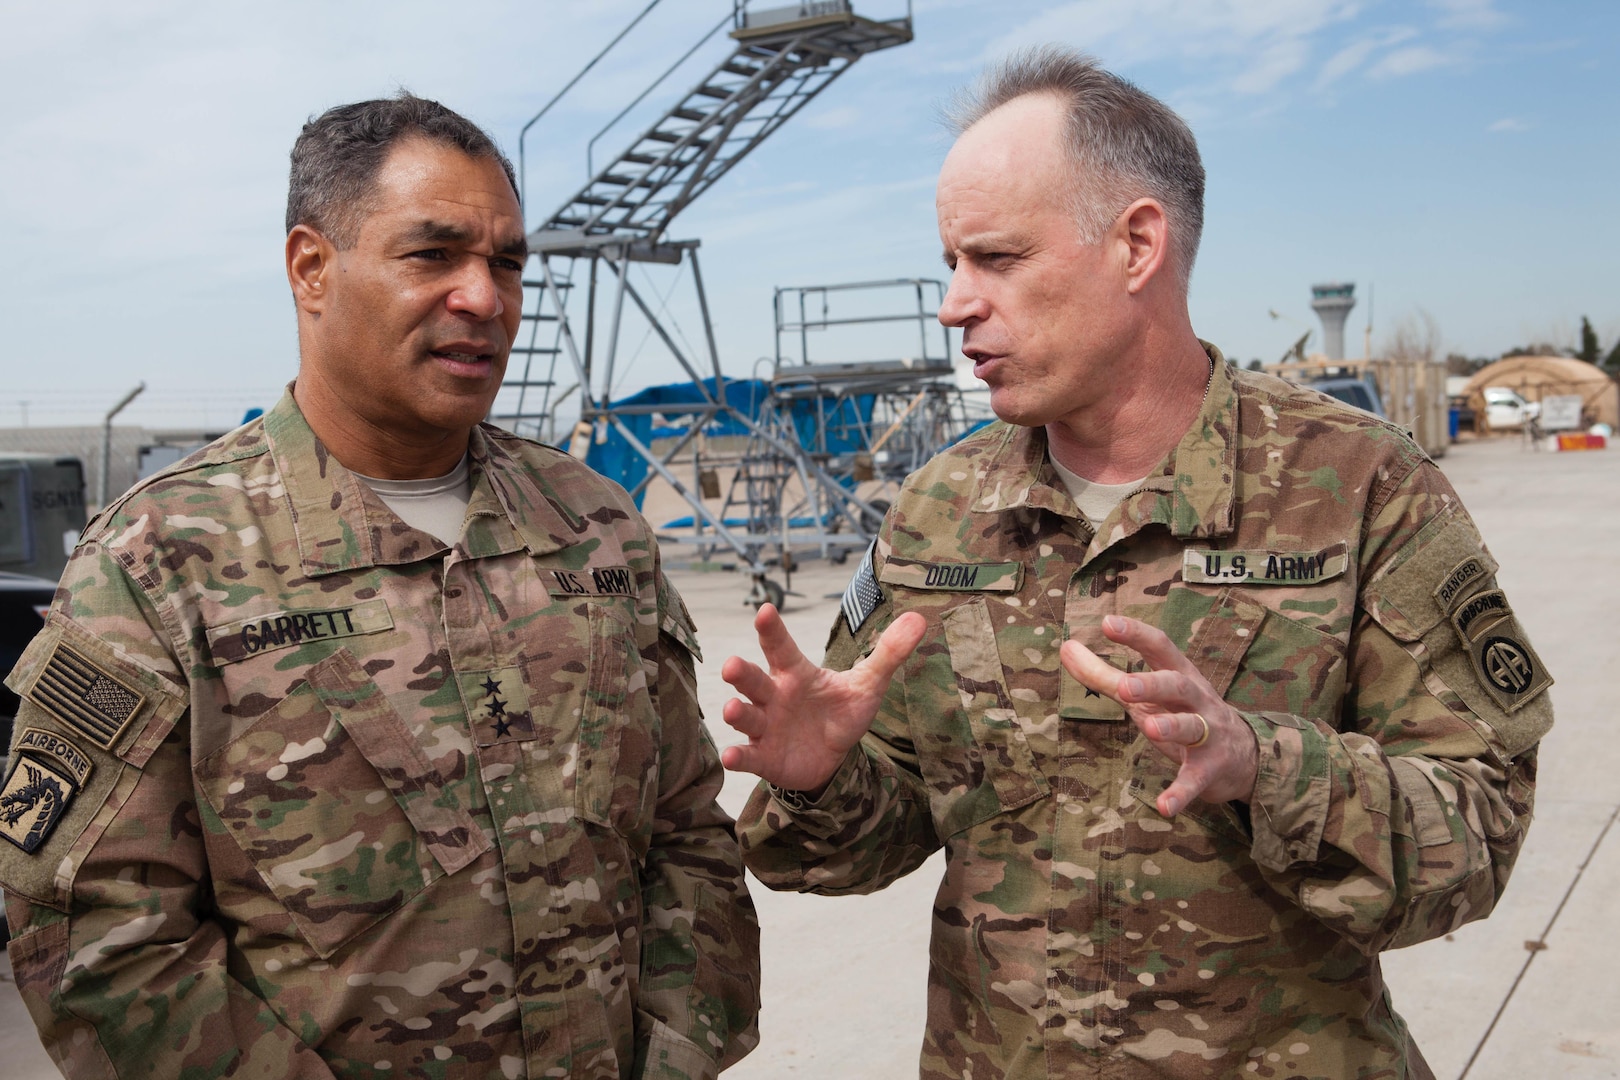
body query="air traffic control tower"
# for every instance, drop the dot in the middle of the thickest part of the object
(1333, 302)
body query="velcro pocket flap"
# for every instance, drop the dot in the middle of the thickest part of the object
(366, 714)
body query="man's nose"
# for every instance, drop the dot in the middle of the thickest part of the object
(962, 303)
(475, 294)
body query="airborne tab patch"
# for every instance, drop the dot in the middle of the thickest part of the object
(49, 771)
(1480, 613)
(954, 577)
(1219, 567)
(83, 698)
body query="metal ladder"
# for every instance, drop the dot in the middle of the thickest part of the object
(582, 252)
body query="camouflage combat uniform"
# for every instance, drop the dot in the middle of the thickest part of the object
(297, 793)
(1325, 578)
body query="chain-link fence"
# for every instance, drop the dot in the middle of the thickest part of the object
(84, 443)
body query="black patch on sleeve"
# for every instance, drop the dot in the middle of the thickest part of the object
(863, 595)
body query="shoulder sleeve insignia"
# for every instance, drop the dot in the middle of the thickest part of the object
(863, 595)
(80, 696)
(47, 774)
(1506, 666)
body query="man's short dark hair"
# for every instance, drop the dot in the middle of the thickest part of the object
(338, 154)
(1124, 142)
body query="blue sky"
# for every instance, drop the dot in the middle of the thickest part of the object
(1460, 157)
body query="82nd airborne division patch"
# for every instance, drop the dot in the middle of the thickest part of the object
(48, 773)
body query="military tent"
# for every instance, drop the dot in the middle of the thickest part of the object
(1538, 377)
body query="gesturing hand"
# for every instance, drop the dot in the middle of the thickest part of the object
(801, 719)
(1166, 704)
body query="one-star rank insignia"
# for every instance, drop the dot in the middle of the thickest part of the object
(48, 773)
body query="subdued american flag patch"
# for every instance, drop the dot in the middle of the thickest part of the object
(84, 698)
(863, 595)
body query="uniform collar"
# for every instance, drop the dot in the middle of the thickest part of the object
(342, 525)
(1190, 491)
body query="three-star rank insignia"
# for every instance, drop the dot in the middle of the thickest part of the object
(47, 773)
(497, 706)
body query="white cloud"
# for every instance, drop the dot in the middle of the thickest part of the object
(1409, 61)
(1356, 54)
(833, 119)
(1269, 38)
(1509, 124)
(1468, 14)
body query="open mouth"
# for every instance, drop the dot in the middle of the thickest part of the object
(458, 362)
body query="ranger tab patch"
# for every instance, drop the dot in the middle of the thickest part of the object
(1464, 576)
(80, 696)
(48, 772)
(863, 595)
(1220, 567)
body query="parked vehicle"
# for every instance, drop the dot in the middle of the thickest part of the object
(23, 603)
(41, 512)
(1505, 409)
(1408, 393)
(1362, 393)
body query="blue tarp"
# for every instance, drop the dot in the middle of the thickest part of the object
(615, 459)
(618, 461)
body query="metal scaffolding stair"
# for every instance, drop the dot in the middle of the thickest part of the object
(776, 68)
(583, 251)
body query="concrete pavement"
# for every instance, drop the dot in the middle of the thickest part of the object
(1530, 991)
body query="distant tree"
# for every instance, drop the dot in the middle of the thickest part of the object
(1611, 363)
(1589, 343)
(1416, 337)
(1458, 364)
(1258, 364)
(1536, 348)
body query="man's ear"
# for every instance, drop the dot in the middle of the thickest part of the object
(309, 261)
(1146, 234)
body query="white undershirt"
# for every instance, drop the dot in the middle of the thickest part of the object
(437, 505)
(1096, 501)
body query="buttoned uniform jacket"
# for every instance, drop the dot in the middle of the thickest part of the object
(1322, 575)
(358, 803)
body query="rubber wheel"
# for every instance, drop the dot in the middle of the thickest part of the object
(774, 593)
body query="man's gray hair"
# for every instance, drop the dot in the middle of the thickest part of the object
(1124, 142)
(339, 153)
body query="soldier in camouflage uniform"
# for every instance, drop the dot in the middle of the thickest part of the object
(302, 789)
(1195, 757)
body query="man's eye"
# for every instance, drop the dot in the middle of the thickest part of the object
(509, 265)
(431, 254)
